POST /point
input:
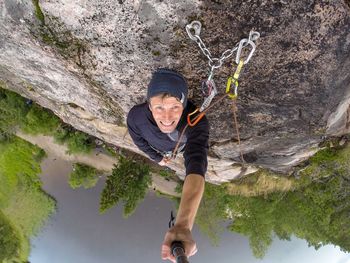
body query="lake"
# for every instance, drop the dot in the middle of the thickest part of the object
(78, 233)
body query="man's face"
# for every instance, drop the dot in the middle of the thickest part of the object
(166, 112)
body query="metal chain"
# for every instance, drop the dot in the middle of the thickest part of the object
(202, 46)
(215, 63)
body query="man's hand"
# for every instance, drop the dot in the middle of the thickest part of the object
(177, 233)
(164, 161)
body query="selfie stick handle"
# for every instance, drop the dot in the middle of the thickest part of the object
(178, 251)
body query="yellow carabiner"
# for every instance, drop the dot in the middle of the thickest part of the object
(228, 87)
(235, 81)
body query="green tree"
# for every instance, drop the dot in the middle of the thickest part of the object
(317, 209)
(13, 109)
(18, 112)
(212, 212)
(18, 159)
(61, 134)
(83, 176)
(40, 121)
(77, 142)
(22, 201)
(9, 240)
(128, 184)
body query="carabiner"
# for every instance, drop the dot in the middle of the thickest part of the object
(228, 87)
(234, 78)
(243, 43)
(196, 26)
(211, 74)
(211, 95)
(207, 87)
(196, 119)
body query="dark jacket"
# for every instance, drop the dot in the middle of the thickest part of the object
(149, 138)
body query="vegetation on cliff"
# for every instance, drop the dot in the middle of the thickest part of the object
(17, 112)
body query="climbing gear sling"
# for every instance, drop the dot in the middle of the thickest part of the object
(216, 63)
(208, 86)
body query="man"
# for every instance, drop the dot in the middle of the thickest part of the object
(155, 127)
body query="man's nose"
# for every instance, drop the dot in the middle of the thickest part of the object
(167, 115)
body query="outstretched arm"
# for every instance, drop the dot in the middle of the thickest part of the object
(191, 197)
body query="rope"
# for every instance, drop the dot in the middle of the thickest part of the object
(196, 120)
(234, 110)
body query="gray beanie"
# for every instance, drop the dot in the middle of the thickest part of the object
(168, 81)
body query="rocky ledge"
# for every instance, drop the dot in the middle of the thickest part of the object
(90, 62)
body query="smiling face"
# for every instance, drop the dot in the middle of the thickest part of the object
(166, 112)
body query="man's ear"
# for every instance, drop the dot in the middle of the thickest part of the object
(149, 106)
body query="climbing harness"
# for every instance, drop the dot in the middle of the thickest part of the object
(208, 86)
(168, 154)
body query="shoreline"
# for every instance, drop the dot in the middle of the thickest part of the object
(96, 159)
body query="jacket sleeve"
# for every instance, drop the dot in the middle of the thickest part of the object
(196, 150)
(139, 141)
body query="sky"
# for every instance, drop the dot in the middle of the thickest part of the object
(78, 233)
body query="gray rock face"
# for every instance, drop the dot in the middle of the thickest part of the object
(90, 62)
